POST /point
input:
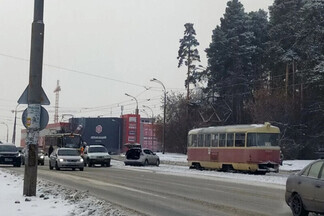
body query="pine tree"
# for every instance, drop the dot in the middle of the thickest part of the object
(230, 55)
(188, 54)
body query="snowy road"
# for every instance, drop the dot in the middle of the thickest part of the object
(176, 190)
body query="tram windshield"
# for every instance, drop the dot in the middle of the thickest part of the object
(72, 141)
(262, 139)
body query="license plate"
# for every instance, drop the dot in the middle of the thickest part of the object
(8, 159)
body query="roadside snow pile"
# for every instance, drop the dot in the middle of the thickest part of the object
(51, 200)
(294, 165)
(173, 158)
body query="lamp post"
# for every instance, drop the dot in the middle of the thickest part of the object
(14, 128)
(7, 128)
(164, 107)
(136, 110)
(151, 125)
(118, 135)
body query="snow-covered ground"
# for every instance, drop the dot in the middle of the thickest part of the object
(56, 200)
(51, 200)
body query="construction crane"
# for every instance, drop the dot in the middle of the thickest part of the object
(57, 96)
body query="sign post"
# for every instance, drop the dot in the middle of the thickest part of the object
(34, 96)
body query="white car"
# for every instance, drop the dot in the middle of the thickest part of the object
(96, 154)
(66, 158)
(141, 157)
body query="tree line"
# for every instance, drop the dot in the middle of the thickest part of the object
(261, 68)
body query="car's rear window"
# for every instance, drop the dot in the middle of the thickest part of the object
(97, 149)
(133, 153)
(315, 169)
(68, 152)
(8, 148)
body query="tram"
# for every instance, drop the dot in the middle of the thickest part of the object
(249, 148)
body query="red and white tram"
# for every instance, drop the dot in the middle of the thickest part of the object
(249, 148)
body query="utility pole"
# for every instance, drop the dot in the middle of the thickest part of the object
(34, 97)
(164, 110)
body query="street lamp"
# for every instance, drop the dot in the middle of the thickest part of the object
(7, 128)
(151, 124)
(136, 110)
(118, 135)
(164, 107)
(14, 128)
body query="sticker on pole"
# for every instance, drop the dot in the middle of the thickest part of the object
(35, 117)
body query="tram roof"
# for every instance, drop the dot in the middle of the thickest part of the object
(266, 128)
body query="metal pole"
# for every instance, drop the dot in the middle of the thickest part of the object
(14, 128)
(34, 99)
(136, 110)
(118, 138)
(164, 110)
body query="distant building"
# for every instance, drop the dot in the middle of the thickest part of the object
(113, 133)
(99, 131)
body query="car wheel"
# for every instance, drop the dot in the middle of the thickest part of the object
(50, 166)
(81, 169)
(146, 163)
(157, 162)
(73, 169)
(297, 206)
(108, 164)
(89, 164)
(56, 166)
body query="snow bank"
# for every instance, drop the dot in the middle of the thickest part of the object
(51, 200)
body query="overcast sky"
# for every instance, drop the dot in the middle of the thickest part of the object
(102, 49)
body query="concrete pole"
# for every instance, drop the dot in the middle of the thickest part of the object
(34, 99)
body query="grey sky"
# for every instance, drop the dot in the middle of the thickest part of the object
(127, 40)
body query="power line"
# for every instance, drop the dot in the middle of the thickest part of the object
(79, 72)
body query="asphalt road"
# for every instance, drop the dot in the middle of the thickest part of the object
(150, 193)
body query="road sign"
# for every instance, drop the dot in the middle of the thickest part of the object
(28, 120)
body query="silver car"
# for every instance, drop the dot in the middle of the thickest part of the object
(66, 158)
(305, 190)
(143, 157)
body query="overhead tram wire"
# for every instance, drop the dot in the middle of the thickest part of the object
(79, 72)
(151, 88)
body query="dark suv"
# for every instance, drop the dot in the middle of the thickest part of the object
(9, 154)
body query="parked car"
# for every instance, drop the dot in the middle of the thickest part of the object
(9, 154)
(143, 157)
(96, 154)
(66, 158)
(305, 190)
(41, 157)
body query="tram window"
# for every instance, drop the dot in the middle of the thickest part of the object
(230, 140)
(239, 140)
(262, 139)
(200, 140)
(222, 139)
(215, 140)
(189, 140)
(194, 140)
(207, 140)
